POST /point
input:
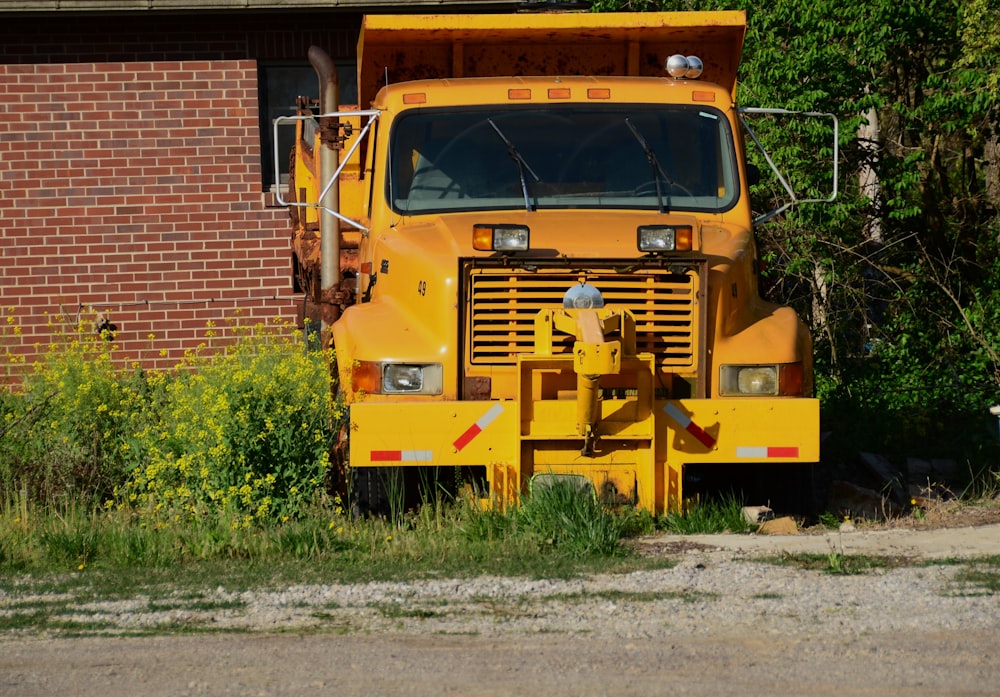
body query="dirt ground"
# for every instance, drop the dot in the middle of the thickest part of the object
(943, 532)
(933, 663)
(830, 653)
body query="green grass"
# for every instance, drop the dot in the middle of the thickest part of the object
(54, 560)
(405, 611)
(616, 596)
(979, 577)
(985, 581)
(708, 517)
(837, 563)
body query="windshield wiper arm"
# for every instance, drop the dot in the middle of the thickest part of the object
(521, 163)
(655, 166)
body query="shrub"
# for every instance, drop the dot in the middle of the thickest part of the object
(65, 432)
(241, 432)
(246, 430)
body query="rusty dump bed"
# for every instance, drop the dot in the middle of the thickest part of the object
(414, 47)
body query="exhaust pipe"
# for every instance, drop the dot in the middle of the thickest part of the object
(329, 226)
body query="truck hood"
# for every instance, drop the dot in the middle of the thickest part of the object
(553, 233)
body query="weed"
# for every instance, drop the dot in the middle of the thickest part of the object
(979, 577)
(837, 563)
(829, 520)
(571, 520)
(24, 620)
(708, 517)
(485, 524)
(404, 611)
(205, 604)
(615, 596)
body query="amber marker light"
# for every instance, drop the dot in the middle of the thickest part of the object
(366, 376)
(559, 93)
(684, 237)
(519, 93)
(791, 380)
(482, 238)
(702, 96)
(598, 93)
(415, 98)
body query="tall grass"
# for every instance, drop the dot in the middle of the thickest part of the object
(454, 539)
(718, 515)
(571, 519)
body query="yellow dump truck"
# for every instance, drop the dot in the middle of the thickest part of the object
(532, 247)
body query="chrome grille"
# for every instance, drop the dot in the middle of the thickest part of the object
(502, 305)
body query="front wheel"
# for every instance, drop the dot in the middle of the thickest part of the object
(375, 490)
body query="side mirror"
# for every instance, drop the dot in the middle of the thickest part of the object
(793, 199)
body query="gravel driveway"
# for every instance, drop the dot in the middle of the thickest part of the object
(717, 623)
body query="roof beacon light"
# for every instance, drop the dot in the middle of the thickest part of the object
(695, 67)
(679, 66)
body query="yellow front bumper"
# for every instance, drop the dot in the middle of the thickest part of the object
(638, 453)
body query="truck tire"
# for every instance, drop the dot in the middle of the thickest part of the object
(372, 489)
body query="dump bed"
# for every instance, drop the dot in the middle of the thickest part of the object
(399, 48)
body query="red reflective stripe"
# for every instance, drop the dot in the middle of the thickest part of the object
(386, 455)
(789, 451)
(699, 433)
(470, 433)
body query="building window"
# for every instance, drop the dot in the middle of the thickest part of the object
(280, 84)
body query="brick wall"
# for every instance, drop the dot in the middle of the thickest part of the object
(134, 189)
(130, 181)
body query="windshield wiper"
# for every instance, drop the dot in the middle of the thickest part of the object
(655, 167)
(521, 163)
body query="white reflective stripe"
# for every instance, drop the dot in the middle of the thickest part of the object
(416, 455)
(747, 451)
(490, 416)
(677, 415)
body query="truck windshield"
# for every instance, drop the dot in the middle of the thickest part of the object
(674, 158)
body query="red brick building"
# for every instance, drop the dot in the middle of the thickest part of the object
(136, 176)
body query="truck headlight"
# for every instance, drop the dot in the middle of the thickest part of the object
(398, 378)
(402, 378)
(777, 379)
(500, 237)
(664, 238)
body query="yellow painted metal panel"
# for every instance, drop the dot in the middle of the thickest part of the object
(433, 433)
(556, 419)
(647, 470)
(745, 430)
(412, 47)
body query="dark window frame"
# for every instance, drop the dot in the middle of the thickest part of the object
(280, 82)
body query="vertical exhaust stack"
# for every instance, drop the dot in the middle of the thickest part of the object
(329, 226)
